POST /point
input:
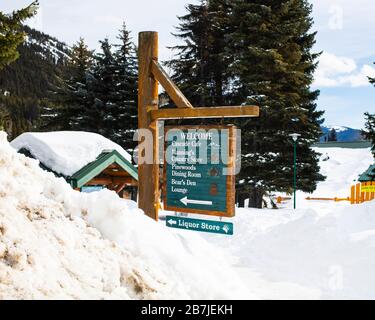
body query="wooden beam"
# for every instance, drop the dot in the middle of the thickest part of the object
(148, 174)
(120, 187)
(207, 112)
(111, 180)
(173, 91)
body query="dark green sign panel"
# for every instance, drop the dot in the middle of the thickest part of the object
(200, 225)
(197, 170)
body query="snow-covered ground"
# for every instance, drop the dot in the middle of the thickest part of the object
(59, 243)
(324, 249)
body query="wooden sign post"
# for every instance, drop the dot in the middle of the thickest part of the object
(148, 173)
(150, 74)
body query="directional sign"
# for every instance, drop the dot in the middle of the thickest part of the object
(200, 225)
(198, 170)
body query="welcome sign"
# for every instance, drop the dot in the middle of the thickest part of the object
(199, 170)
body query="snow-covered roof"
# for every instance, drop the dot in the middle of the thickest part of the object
(66, 152)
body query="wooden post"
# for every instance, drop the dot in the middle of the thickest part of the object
(367, 194)
(148, 174)
(357, 193)
(352, 194)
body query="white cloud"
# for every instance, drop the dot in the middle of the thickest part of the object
(334, 71)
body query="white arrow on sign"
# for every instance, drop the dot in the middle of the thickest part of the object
(172, 222)
(185, 201)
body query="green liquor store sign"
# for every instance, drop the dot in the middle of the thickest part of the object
(199, 170)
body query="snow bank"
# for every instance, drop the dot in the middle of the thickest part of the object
(333, 254)
(66, 152)
(52, 245)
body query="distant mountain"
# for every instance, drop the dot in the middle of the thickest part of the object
(27, 85)
(344, 134)
(38, 69)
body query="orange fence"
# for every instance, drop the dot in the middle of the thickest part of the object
(329, 199)
(280, 199)
(361, 192)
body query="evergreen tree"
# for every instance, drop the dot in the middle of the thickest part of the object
(18, 115)
(113, 85)
(11, 36)
(271, 45)
(11, 33)
(125, 108)
(332, 136)
(100, 115)
(369, 132)
(73, 97)
(200, 66)
(5, 119)
(260, 52)
(100, 92)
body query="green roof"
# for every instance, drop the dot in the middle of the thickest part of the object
(94, 168)
(368, 175)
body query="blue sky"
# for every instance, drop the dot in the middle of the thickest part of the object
(345, 34)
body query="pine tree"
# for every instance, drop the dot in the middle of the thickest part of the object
(11, 36)
(100, 115)
(200, 66)
(73, 97)
(124, 112)
(332, 136)
(11, 33)
(369, 132)
(19, 115)
(272, 44)
(257, 52)
(5, 119)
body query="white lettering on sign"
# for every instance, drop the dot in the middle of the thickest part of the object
(196, 135)
(179, 190)
(206, 226)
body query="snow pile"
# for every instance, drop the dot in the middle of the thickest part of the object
(334, 254)
(47, 250)
(324, 249)
(66, 152)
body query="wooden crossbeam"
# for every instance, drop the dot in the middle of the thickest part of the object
(120, 187)
(111, 180)
(173, 91)
(207, 112)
